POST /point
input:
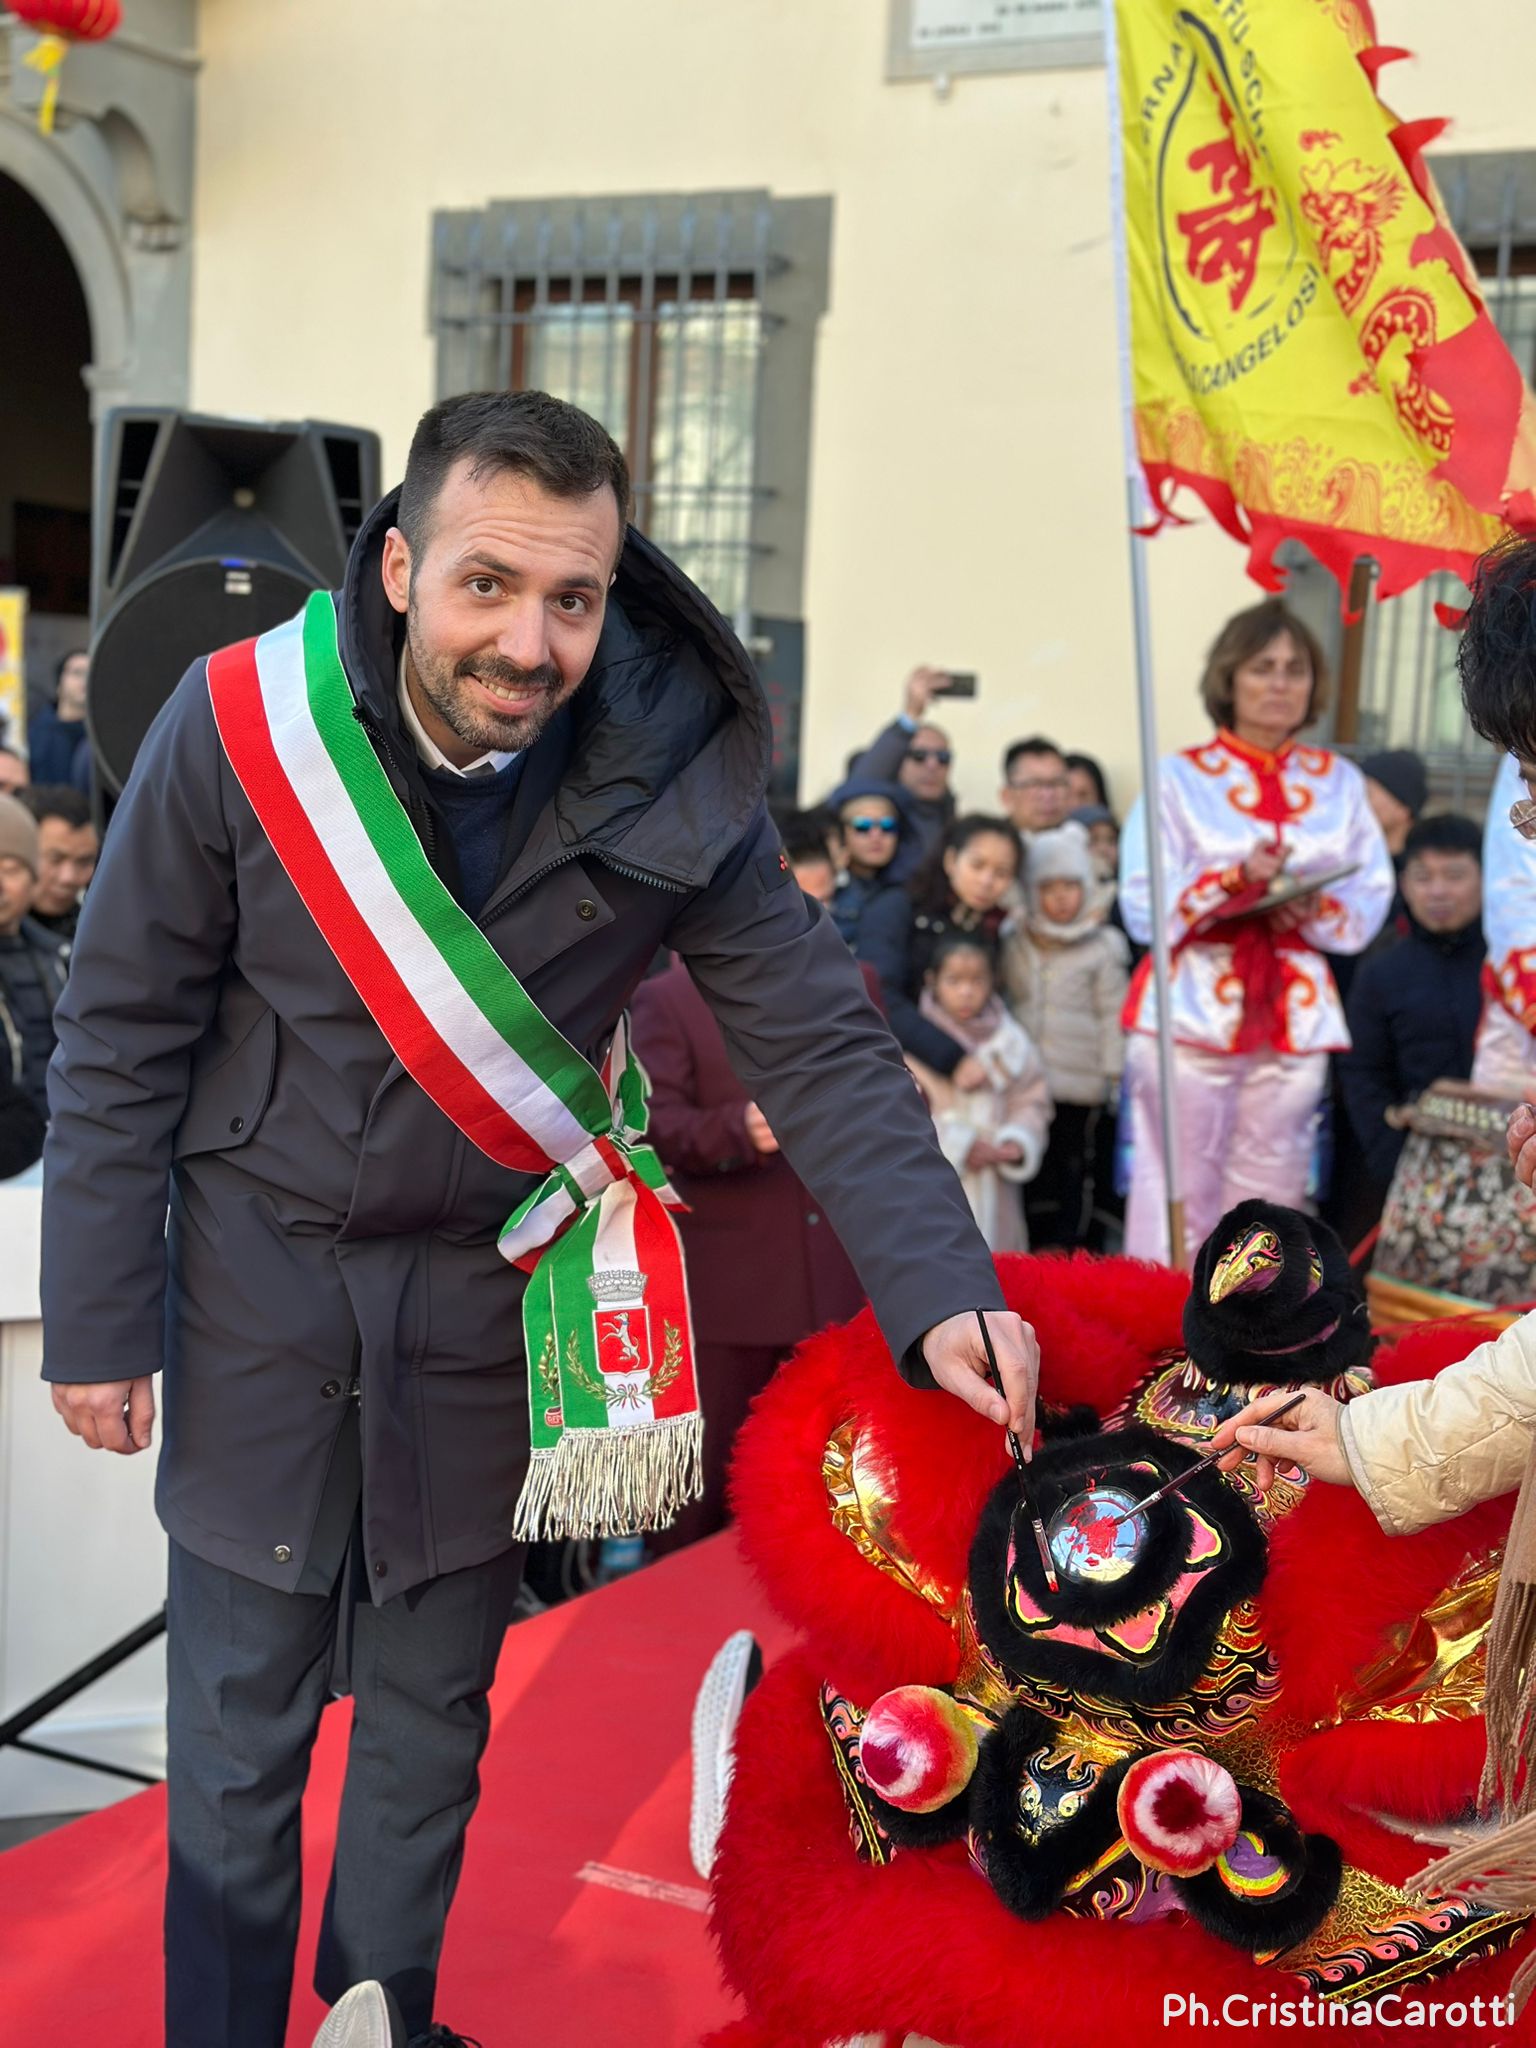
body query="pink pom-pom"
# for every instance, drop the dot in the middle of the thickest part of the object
(917, 1748)
(1179, 1811)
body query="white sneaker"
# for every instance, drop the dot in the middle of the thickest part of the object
(367, 2017)
(736, 1668)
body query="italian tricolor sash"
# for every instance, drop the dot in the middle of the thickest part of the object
(616, 1430)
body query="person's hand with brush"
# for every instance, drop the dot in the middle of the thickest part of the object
(1308, 1436)
(1419, 1452)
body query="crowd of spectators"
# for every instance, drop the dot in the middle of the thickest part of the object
(1001, 962)
(996, 942)
(48, 850)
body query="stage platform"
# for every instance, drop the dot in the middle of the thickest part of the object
(580, 1921)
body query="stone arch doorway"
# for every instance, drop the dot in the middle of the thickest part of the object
(111, 188)
(45, 432)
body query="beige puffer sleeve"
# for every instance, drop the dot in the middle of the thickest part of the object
(1423, 1452)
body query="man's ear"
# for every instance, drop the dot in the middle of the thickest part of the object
(395, 569)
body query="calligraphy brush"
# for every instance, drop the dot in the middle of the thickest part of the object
(1020, 1466)
(1210, 1458)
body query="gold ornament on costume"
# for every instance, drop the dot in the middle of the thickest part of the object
(1377, 1936)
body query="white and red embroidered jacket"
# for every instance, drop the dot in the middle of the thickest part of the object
(1241, 986)
(1509, 901)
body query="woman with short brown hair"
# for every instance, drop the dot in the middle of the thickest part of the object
(1244, 637)
(1254, 1007)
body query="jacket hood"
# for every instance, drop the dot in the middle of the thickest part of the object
(1062, 855)
(891, 793)
(666, 746)
(905, 861)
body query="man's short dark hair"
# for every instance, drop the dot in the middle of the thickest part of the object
(804, 834)
(74, 654)
(557, 446)
(1035, 744)
(1449, 832)
(55, 800)
(1497, 655)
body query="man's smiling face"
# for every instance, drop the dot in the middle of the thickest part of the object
(504, 603)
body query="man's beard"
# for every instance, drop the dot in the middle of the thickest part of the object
(447, 687)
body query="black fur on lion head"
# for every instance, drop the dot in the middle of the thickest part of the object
(1007, 1578)
(1274, 1297)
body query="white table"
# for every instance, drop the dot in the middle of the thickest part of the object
(82, 1561)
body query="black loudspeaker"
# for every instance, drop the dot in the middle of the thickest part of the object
(207, 531)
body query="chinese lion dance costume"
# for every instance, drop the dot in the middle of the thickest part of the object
(1016, 1788)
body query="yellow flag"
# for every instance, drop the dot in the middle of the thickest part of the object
(1310, 352)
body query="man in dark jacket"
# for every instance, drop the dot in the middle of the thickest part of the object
(581, 748)
(67, 851)
(32, 960)
(55, 734)
(915, 754)
(1414, 1009)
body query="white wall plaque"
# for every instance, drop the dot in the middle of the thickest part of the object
(932, 36)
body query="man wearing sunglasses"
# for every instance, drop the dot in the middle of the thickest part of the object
(915, 755)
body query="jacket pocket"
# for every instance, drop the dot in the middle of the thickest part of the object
(561, 911)
(231, 1085)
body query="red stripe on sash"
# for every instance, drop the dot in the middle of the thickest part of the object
(659, 1253)
(240, 713)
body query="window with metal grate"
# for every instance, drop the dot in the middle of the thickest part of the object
(686, 324)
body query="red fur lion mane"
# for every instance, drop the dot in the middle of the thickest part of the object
(821, 1946)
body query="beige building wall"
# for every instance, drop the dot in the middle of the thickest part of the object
(966, 497)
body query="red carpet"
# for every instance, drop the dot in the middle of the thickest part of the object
(579, 1920)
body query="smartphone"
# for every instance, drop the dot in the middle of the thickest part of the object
(958, 683)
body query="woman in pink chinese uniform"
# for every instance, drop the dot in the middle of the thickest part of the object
(1254, 1007)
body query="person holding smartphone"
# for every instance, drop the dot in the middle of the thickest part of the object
(916, 755)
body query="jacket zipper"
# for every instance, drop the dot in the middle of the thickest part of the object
(607, 860)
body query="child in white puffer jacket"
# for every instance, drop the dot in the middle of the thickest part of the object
(1065, 974)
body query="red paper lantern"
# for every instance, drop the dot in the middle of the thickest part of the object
(61, 23)
(83, 21)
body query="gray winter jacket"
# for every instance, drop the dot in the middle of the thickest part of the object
(332, 1234)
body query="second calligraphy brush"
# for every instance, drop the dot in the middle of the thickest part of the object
(1210, 1458)
(1021, 1467)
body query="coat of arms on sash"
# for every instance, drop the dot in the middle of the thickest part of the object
(621, 1324)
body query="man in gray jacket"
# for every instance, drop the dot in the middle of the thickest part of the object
(915, 754)
(581, 748)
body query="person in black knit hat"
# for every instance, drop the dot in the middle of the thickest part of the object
(1397, 785)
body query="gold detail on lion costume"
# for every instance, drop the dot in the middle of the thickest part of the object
(860, 1490)
(1433, 1668)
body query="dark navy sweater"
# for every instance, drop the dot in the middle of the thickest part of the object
(476, 809)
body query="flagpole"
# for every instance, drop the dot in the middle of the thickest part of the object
(1138, 511)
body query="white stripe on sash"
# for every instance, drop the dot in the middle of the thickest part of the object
(509, 1080)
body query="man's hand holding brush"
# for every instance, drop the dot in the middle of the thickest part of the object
(1000, 1387)
(1308, 1436)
